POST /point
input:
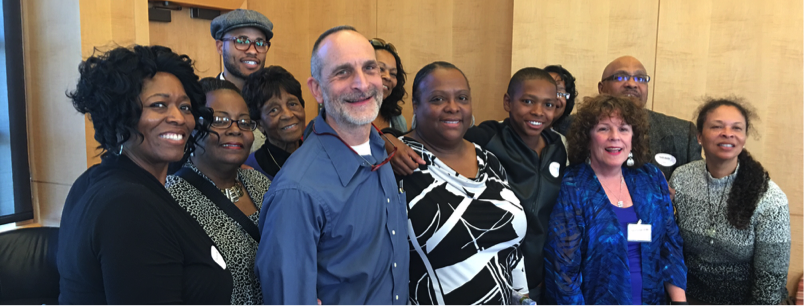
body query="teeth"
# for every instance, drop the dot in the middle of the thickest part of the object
(385, 87)
(289, 126)
(536, 123)
(250, 62)
(451, 122)
(726, 145)
(614, 149)
(172, 136)
(231, 146)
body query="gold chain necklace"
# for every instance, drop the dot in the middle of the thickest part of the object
(233, 193)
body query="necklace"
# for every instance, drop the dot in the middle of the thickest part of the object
(272, 158)
(619, 202)
(233, 193)
(712, 215)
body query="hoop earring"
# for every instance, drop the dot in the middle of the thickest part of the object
(630, 161)
(413, 122)
(473, 120)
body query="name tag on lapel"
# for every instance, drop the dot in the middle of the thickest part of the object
(639, 232)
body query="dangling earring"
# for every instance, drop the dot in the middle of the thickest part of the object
(630, 161)
(413, 122)
(120, 152)
(473, 120)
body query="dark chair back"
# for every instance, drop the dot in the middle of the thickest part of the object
(28, 273)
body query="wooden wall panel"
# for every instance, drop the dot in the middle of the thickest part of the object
(583, 36)
(474, 35)
(297, 24)
(749, 49)
(185, 35)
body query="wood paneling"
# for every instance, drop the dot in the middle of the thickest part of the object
(227, 5)
(185, 35)
(583, 36)
(474, 35)
(297, 24)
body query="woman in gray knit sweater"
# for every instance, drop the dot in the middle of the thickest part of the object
(733, 218)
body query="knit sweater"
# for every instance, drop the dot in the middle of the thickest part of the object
(729, 265)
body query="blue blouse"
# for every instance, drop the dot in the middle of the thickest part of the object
(586, 255)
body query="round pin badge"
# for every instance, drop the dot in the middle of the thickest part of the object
(554, 169)
(217, 258)
(665, 159)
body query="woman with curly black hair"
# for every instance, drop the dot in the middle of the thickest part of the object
(274, 99)
(567, 93)
(734, 219)
(126, 241)
(393, 87)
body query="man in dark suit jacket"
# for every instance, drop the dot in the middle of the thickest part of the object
(673, 141)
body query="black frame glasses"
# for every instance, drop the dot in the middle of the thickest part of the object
(564, 95)
(223, 122)
(382, 44)
(243, 43)
(621, 77)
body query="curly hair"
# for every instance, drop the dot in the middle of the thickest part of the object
(266, 83)
(751, 181)
(569, 85)
(392, 104)
(110, 85)
(589, 114)
(426, 71)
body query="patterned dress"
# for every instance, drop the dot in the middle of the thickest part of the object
(729, 265)
(235, 244)
(465, 233)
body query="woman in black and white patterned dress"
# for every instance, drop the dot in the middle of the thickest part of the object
(218, 158)
(465, 223)
(734, 219)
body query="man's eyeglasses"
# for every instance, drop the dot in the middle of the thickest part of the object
(621, 77)
(243, 43)
(379, 43)
(564, 95)
(223, 122)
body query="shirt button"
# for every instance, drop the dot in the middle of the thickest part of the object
(394, 265)
(393, 232)
(397, 297)
(388, 199)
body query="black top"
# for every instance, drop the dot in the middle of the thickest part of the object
(124, 240)
(535, 181)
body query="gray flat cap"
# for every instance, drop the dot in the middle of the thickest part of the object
(241, 18)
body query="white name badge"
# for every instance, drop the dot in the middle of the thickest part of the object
(665, 159)
(639, 232)
(554, 168)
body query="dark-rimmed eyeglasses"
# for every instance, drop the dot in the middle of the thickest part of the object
(564, 95)
(223, 122)
(243, 43)
(621, 77)
(382, 44)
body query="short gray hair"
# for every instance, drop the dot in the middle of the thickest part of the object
(315, 60)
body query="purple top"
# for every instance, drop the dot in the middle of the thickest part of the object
(624, 217)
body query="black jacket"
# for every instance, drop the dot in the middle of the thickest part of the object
(533, 182)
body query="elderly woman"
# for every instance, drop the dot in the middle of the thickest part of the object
(613, 238)
(222, 197)
(393, 87)
(129, 241)
(466, 224)
(274, 99)
(734, 219)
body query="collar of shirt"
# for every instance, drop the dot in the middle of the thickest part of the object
(345, 161)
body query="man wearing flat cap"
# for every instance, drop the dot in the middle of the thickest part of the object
(242, 38)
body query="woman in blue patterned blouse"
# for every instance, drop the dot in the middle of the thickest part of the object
(613, 238)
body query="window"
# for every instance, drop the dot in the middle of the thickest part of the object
(15, 178)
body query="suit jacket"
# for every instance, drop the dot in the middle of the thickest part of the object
(673, 141)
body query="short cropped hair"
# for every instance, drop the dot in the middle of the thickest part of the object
(110, 85)
(527, 73)
(589, 115)
(266, 83)
(315, 60)
(427, 70)
(210, 84)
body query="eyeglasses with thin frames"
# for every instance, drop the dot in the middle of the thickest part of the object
(621, 77)
(243, 43)
(564, 95)
(223, 122)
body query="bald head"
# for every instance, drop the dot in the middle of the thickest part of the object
(625, 66)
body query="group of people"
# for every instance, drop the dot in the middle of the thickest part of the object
(356, 207)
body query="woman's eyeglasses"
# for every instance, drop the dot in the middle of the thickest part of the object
(379, 43)
(222, 122)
